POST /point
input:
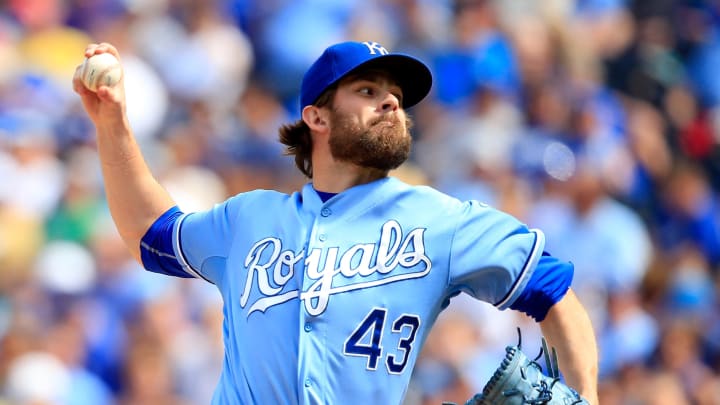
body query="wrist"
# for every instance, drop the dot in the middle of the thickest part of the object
(114, 128)
(591, 398)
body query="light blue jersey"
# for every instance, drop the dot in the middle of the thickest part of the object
(329, 303)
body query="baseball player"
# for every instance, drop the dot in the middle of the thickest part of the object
(330, 292)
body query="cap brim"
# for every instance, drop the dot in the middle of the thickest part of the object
(412, 75)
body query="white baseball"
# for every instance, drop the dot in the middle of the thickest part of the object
(101, 70)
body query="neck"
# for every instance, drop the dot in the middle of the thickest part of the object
(332, 176)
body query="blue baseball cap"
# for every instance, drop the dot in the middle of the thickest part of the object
(340, 60)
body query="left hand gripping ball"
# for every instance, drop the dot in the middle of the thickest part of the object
(101, 70)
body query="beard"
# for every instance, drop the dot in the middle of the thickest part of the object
(383, 144)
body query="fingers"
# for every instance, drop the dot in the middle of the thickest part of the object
(91, 50)
(77, 83)
(103, 47)
(107, 102)
(108, 94)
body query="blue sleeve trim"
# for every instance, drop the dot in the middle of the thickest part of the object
(156, 247)
(549, 283)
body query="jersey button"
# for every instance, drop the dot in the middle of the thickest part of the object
(322, 237)
(308, 327)
(308, 382)
(326, 212)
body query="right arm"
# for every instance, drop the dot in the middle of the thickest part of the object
(134, 196)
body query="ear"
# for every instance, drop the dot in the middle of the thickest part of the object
(316, 118)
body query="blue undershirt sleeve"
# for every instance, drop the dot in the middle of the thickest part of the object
(156, 247)
(549, 283)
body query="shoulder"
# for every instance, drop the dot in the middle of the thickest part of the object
(422, 193)
(430, 197)
(259, 196)
(435, 205)
(250, 201)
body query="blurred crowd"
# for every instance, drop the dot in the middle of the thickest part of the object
(596, 121)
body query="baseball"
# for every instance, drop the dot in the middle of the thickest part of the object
(101, 70)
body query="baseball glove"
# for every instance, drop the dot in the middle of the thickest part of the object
(520, 381)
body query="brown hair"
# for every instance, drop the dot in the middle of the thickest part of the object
(297, 139)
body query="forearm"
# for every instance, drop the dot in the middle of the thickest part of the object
(134, 197)
(568, 329)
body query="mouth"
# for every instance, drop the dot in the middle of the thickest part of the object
(389, 119)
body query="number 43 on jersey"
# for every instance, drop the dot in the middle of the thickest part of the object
(367, 340)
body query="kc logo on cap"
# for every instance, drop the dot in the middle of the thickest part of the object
(340, 60)
(374, 46)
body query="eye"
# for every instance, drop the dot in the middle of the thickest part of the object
(366, 90)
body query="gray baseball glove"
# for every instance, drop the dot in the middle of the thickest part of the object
(520, 381)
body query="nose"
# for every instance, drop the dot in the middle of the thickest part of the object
(390, 103)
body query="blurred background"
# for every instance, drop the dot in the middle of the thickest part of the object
(596, 121)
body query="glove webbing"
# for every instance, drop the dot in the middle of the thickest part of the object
(544, 390)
